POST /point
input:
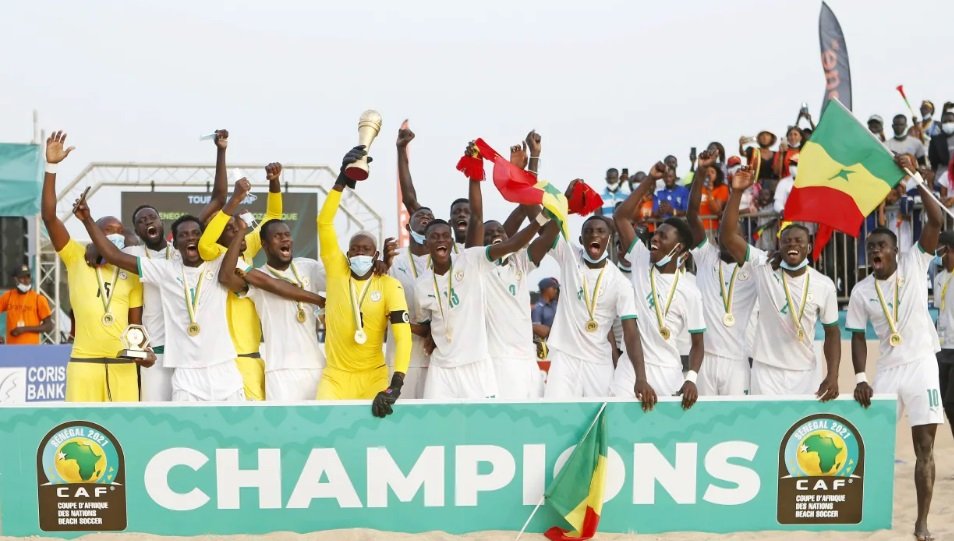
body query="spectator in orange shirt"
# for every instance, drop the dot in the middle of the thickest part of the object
(28, 312)
(714, 193)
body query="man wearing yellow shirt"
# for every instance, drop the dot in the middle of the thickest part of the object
(244, 325)
(358, 308)
(105, 299)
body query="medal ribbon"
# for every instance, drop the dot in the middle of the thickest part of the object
(410, 259)
(796, 320)
(590, 300)
(727, 296)
(106, 296)
(192, 298)
(660, 315)
(298, 281)
(450, 290)
(357, 300)
(892, 321)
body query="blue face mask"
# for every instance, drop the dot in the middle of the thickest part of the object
(118, 240)
(937, 261)
(788, 267)
(663, 261)
(360, 264)
(418, 238)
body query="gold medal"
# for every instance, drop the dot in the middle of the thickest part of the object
(892, 318)
(728, 320)
(193, 329)
(665, 333)
(797, 317)
(727, 293)
(895, 340)
(107, 320)
(300, 316)
(660, 314)
(800, 334)
(360, 337)
(591, 325)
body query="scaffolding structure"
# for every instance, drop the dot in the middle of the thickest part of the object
(357, 214)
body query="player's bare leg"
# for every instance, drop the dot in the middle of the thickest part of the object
(923, 437)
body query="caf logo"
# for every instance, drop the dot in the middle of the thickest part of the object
(821, 472)
(81, 479)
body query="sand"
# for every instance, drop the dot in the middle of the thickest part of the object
(941, 519)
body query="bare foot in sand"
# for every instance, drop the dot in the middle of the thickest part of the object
(921, 533)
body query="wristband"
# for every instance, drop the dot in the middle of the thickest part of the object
(535, 158)
(860, 377)
(51, 168)
(691, 376)
(542, 219)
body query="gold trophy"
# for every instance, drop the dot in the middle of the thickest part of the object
(368, 127)
(135, 341)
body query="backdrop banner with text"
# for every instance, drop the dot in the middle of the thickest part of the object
(457, 467)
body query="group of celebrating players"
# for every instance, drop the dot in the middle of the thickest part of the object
(448, 317)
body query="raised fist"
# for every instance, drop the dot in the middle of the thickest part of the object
(273, 171)
(242, 187)
(657, 171)
(743, 178)
(706, 158)
(405, 135)
(533, 143)
(221, 139)
(55, 152)
(518, 155)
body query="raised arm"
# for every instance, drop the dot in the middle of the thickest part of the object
(518, 157)
(331, 255)
(220, 186)
(55, 153)
(227, 275)
(209, 247)
(533, 144)
(626, 211)
(273, 210)
(518, 241)
(695, 199)
(475, 226)
(729, 236)
(107, 249)
(408, 194)
(935, 218)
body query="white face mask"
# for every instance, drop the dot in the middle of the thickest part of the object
(24, 287)
(360, 264)
(118, 240)
(418, 238)
(663, 261)
(948, 128)
(796, 144)
(602, 256)
(792, 169)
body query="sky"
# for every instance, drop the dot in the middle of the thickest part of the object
(606, 83)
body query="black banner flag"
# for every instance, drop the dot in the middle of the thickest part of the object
(834, 58)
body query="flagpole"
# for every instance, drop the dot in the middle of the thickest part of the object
(540, 503)
(920, 181)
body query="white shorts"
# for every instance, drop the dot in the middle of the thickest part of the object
(156, 382)
(414, 380)
(219, 382)
(472, 380)
(772, 380)
(573, 377)
(918, 389)
(723, 376)
(517, 377)
(292, 384)
(665, 380)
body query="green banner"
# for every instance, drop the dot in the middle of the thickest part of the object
(21, 166)
(461, 467)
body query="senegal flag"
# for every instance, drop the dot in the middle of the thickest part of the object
(523, 187)
(844, 173)
(577, 492)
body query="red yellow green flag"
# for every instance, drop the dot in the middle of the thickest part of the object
(523, 187)
(577, 492)
(844, 173)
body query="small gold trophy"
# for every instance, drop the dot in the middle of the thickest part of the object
(368, 127)
(135, 343)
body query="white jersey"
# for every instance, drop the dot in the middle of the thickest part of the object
(454, 304)
(721, 339)
(407, 268)
(289, 342)
(507, 307)
(614, 300)
(681, 314)
(151, 301)
(776, 341)
(944, 302)
(919, 340)
(213, 344)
